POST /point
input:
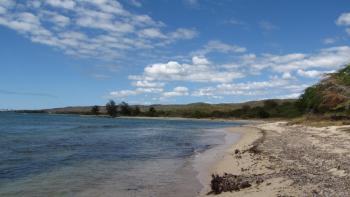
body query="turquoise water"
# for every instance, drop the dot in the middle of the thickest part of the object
(68, 155)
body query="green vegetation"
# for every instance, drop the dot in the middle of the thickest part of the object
(112, 108)
(125, 109)
(330, 97)
(151, 112)
(95, 110)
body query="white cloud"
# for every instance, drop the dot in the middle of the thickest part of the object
(312, 73)
(135, 3)
(247, 89)
(122, 93)
(151, 33)
(329, 40)
(56, 19)
(344, 19)
(183, 33)
(199, 71)
(128, 93)
(110, 31)
(287, 76)
(200, 60)
(66, 4)
(178, 91)
(147, 84)
(328, 58)
(268, 89)
(218, 46)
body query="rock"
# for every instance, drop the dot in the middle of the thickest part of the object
(244, 184)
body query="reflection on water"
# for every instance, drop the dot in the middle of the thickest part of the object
(63, 155)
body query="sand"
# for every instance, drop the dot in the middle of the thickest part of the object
(278, 159)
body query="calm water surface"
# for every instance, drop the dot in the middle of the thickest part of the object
(66, 155)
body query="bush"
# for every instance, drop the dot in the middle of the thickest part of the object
(152, 112)
(125, 109)
(95, 110)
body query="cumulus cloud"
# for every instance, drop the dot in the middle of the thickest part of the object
(344, 19)
(287, 76)
(200, 60)
(106, 29)
(199, 71)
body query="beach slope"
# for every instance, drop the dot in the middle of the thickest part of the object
(277, 159)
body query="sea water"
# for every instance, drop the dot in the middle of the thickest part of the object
(70, 155)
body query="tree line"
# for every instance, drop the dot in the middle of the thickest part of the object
(268, 109)
(123, 109)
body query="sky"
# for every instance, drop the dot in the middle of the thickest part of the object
(57, 53)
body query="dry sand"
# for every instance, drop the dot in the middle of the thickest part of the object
(278, 159)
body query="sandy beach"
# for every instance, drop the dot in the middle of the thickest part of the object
(278, 159)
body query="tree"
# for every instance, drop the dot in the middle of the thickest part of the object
(152, 111)
(310, 100)
(246, 108)
(125, 109)
(112, 108)
(270, 104)
(95, 110)
(136, 111)
(262, 113)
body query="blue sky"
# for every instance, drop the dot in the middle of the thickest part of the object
(58, 53)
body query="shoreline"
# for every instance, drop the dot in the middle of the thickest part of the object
(279, 159)
(203, 162)
(221, 160)
(243, 121)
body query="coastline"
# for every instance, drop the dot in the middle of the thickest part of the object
(204, 162)
(193, 119)
(279, 159)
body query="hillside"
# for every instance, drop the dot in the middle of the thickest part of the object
(330, 96)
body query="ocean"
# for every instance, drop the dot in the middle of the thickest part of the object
(45, 155)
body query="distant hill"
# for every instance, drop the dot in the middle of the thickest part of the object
(171, 110)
